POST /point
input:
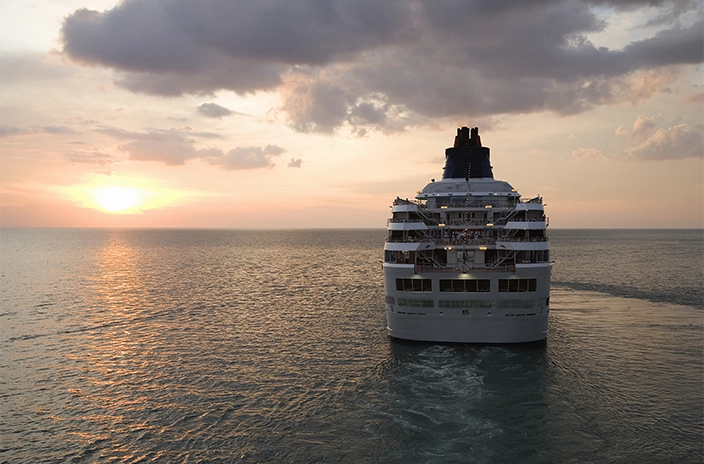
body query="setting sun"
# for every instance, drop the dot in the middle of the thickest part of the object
(118, 199)
(129, 197)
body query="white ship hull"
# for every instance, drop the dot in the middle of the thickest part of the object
(451, 317)
(479, 328)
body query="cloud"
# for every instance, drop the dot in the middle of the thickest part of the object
(387, 65)
(295, 163)
(95, 158)
(6, 131)
(697, 98)
(588, 154)
(673, 46)
(643, 126)
(677, 142)
(641, 129)
(56, 130)
(213, 110)
(175, 147)
(314, 105)
(147, 36)
(14, 130)
(172, 152)
(247, 158)
(156, 134)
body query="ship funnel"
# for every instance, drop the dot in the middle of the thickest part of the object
(467, 159)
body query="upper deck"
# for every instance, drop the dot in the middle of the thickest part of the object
(467, 219)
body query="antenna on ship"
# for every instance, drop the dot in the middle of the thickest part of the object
(474, 140)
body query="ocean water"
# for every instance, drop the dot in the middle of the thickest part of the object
(270, 346)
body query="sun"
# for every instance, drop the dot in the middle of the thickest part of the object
(118, 199)
(127, 196)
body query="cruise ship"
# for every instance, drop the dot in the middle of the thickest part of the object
(467, 260)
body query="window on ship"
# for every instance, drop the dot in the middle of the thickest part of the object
(414, 285)
(465, 285)
(517, 285)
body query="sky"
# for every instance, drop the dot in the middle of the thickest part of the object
(318, 113)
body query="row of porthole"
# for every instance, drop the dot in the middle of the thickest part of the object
(467, 285)
(465, 312)
(461, 304)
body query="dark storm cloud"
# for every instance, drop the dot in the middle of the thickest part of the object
(213, 110)
(180, 35)
(674, 46)
(383, 65)
(218, 72)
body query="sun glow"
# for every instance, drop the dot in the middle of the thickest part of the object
(118, 199)
(129, 196)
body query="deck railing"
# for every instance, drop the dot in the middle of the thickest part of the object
(465, 241)
(469, 267)
(462, 222)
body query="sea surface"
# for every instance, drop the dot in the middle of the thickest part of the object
(188, 346)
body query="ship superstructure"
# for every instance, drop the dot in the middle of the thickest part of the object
(468, 260)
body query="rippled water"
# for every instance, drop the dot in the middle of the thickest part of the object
(270, 346)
